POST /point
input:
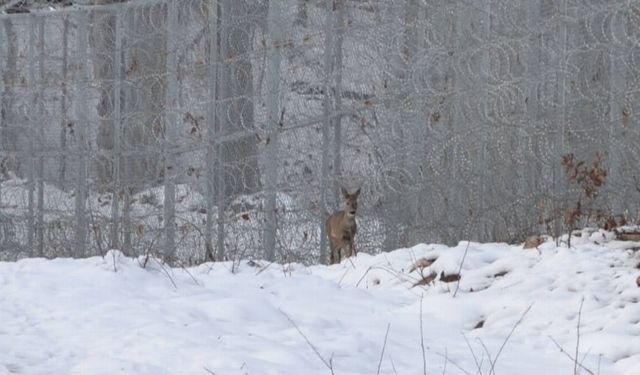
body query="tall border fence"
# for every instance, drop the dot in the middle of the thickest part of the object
(224, 129)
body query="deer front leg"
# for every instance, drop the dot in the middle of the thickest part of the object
(346, 248)
(335, 255)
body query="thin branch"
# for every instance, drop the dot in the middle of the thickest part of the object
(473, 354)
(190, 275)
(464, 256)
(563, 351)
(328, 364)
(575, 364)
(444, 369)
(486, 350)
(363, 275)
(584, 356)
(447, 359)
(424, 355)
(209, 371)
(383, 347)
(493, 362)
(264, 268)
(393, 365)
(164, 270)
(344, 275)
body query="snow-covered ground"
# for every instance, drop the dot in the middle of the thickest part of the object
(108, 316)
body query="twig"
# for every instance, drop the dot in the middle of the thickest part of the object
(383, 347)
(393, 365)
(473, 354)
(162, 267)
(486, 350)
(424, 355)
(363, 275)
(464, 256)
(493, 362)
(563, 351)
(190, 275)
(444, 369)
(328, 364)
(447, 359)
(584, 356)
(261, 270)
(575, 362)
(164, 270)
(344, 275)
(209, 371)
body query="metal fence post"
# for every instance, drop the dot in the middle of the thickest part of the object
(4, 42)
(616, 117)
(326, 114)
(273, 106)
(485, 65)
(117, 124)
(212, 82)
(32, 134)
(41, 137)
(171, 124)
(82, 81)
(339, 8)
(559, 183)
(222, 106)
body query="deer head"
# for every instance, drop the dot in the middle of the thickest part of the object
(350, 202)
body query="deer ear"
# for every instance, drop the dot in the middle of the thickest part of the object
(344, 191)
(357, 192)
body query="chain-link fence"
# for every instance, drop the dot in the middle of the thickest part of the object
(223, 129)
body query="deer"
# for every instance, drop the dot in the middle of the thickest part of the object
(341, 228)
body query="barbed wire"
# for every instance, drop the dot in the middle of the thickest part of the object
(201, 129)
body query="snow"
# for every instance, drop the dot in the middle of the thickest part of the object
(111, 315)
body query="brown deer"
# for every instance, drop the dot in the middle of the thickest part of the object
(341, 228)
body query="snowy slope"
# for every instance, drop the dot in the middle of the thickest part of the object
(68, 316)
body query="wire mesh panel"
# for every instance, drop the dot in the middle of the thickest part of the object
(224, 129)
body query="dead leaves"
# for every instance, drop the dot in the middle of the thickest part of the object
(422, 263)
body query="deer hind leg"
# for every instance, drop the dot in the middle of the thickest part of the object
(347, 245)
(346, 248)
(332, 256)
(339, 253)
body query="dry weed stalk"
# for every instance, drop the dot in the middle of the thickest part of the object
(590, 178)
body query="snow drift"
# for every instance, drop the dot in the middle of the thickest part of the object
(111, 315)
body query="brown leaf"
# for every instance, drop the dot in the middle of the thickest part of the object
(422, 263)
(449, 278)
(426, 280)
